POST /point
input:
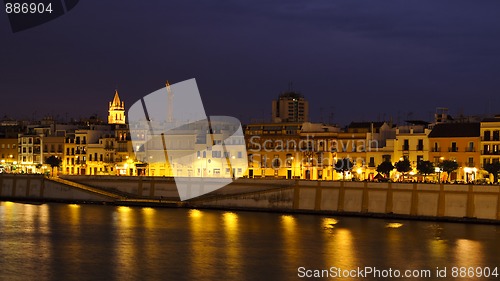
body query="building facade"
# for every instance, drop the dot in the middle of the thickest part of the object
(290, 107)
(457, 142)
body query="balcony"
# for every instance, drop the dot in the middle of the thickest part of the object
(420, 147)
(405, 147)
(436, 149)
(470, 164)
(453, 149)
(488, 152)
(470, 149)
(109, 147)
(371, 164)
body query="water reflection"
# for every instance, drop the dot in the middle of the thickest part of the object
(25, 231)
(329, 223)
(232, 245)
(468, 253)
(203, 244)
(126, 250)
(148, 217)
(65, 242)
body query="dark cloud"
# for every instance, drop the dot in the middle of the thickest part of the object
(361, 59)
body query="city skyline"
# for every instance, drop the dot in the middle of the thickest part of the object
(396, 61)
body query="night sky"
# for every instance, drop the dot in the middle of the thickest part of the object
(360, 60)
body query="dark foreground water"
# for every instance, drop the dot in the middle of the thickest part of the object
(86, 242)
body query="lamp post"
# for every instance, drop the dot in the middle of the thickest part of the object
(199, 162)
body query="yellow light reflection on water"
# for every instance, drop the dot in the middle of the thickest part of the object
(230, 223)
(193, 213)
(74, 211)
(469, 253)
(204, 230)
(126, 248)
(232, 245)
(329, 223)
(340, 244)
(288, 222)
(438, 248)
(149, 217)
(394, 225)
(289, 226)
(8, 203)
(124, 209)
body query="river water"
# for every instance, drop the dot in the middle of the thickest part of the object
(90, 242)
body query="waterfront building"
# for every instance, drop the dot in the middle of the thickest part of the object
(30, 152)
(271, 144)
(412, 143)
(367, 145)
(53, 145)
(8, 154)
(457, 142)
(317, 158)
(291, 150)
(490, 140)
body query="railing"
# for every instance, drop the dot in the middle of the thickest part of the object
(470, 149)
(452, 149)
(405, 147)
(436, 149)
(420, 147)
(87, 188)
(488, 152)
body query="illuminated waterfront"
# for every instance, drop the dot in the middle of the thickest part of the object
(88, 242)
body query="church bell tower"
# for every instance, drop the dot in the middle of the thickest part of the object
(116, 112)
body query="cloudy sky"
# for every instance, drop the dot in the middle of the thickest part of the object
(353, 60)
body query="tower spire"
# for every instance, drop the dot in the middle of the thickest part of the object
(170, 107)
(116, 111)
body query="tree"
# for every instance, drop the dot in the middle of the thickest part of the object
(385, 168)
(54, 162)
(403, 166)
(343, 165)
(425, 168)
(493, 168)
(448, 166)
